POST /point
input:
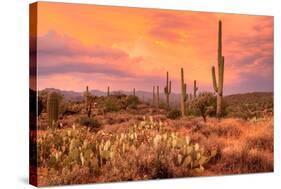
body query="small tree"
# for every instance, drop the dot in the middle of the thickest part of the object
(203, 105)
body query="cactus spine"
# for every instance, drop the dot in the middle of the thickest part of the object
(157, 101)
(195, 88)
(53, 108)
(184, 96)
(218, 85)
(167, 90)
(108, 91)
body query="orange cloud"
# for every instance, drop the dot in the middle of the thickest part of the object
(127, 47)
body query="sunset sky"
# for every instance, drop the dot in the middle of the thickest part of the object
(81, 45)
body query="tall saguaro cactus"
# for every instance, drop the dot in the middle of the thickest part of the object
(184, 96)
(88, 102)
(167, 90)
(108, 91)
(153, 100)
(53, 108)
(157, 100)
(134, 92)
(195, 89)
(218, 84)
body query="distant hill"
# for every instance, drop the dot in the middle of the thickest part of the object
(143, 95)
(247, 105)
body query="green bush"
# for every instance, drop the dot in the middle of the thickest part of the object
(132, 101)
(112, 104)
(203, 105)
(88, 122)
(174, 114)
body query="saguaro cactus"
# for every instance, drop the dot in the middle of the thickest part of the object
(195, 88)
(153, 100)
(134, 92)
(53, 108)
(218, 85)
(88, 102)
(167, 90)
(184, 96)
(157, 101)
(108, 91)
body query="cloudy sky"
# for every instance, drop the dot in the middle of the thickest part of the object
(81, 45)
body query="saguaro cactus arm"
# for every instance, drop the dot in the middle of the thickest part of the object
(214, 79)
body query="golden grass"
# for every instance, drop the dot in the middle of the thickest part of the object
(242, 146)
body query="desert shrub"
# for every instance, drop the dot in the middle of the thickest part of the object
(162, 104)
(203, 105)
(89, 122)
(132, 101)
(119, 155)
(112, 105)
(174, 114)
(245, 160)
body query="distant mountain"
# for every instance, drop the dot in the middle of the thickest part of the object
(174, 97)
(68, 95)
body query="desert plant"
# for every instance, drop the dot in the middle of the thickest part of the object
(184, 96)
(89, 99)
(203, 105)
(174, 114)
(218, 85)
(153, 97)
(132, 101)
(53, 108)
(157, 97)
(195, 89)
(108, 91)
(167, 90)
(112, 104)
(89, 122)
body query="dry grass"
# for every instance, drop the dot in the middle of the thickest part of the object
(242, 147)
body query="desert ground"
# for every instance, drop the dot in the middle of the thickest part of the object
(126, 139)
